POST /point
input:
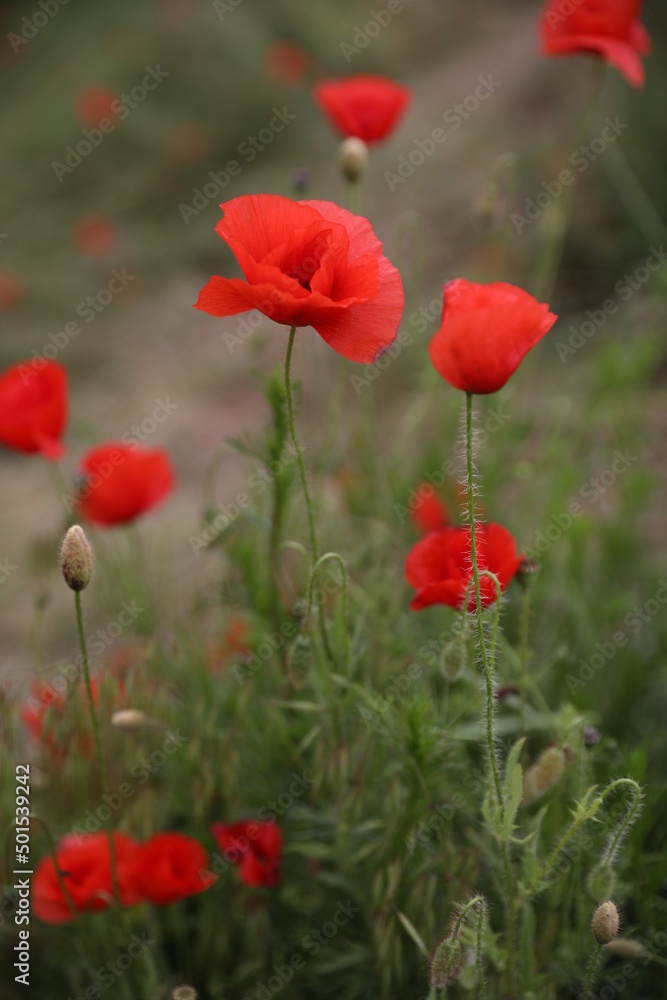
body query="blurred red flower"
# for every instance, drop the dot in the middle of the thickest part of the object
(85, 868)
(44, 714)
(235, 643)
(609, 28)
(168, 867)
(11, 290)
(256, 848)
(440, 568)
(485, 332)
(430, 513)
(365, 106)
(285, 62)
(33, 407)
(309, 263)
(122, 481)
(94, 104)
(93, 235)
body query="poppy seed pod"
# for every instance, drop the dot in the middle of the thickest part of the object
(353, 158)
(76, 559)
(605, 923)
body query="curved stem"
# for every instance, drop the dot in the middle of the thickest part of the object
(98, 742)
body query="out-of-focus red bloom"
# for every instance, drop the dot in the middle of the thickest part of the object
(485, 332)
(95, 104)
(309, 263)
(440, 569)
(285, 62)
(122, 481)
(429, 513)
(93, 235)
(11, 290)
(169, 867)
(45, 711)
(256, 848)
(234, 643)
(609, 28)
(85, 868)
(33, 407)
(364, 106)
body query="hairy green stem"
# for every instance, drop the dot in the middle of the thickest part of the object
(523, 654)
(98, 742)
(590, 974)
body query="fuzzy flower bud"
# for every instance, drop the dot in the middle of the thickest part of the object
(446, 962)
(543, 775)
(605, 923)
(353, 158)
(76, 559)
(184, 993)
(527, 572)
(453, 660)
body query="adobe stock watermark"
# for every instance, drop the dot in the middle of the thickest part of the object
(94, 820)
(120, 107)
(257, 483)
(364, 34)
(248, 150)
(454, 117)
(6, 570)
(624, 289)
(107, 974)
(591, 492)
(224, 7)
(104, 468)
(419, 319)
(88, 310)
(33, 24)
(606, 651)
(580, 159)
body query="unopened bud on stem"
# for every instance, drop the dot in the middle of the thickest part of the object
(353, 158)
(446, 962)
(605, 923)
(76, 559)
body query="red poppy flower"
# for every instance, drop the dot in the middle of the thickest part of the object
(95, 104)
(169, 867)
(309, 263)
(609, 28)
(255, 847)
(285, 62)
(440, 569)
(85, 868)
(93, 235)
(122, 481)
(485, 332)
(429, 513)
(11, 289)
(33, 407)
(364, 106)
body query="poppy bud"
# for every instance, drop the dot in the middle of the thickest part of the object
(453, 660)
(184, 993)
(353, 158)
(605, 923)
(627, 948)
(129, 719)
(602, 882)
(446, 962)
(76, 559)
(527, 572)
(299, 659)
(543, 775)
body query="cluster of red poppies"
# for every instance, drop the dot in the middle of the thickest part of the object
(117, 481)
(161, 870)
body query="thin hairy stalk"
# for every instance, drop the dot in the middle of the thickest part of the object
(304, 482)
(593, 966)
(98, 743)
